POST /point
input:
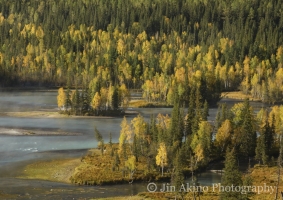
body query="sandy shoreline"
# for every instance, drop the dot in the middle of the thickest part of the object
(54, 114)
(33, 132)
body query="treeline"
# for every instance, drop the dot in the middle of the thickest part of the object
(110, 100)
(158, 46)
(186, 141)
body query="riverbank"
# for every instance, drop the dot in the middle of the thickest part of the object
(145, 104)
(59, 170)
(94, 165)
(98, 169)
(56, 114)
(91, 169)
(33, 132)
(239, 96)
(262, 177)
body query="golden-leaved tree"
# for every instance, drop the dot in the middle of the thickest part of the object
(161, 157)
(61, 98)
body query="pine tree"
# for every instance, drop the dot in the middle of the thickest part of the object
(224, 113)
(115, 99)
(85, 101)
(116, 161)
(99, 140)
(176, 128)
(248, 133)
(218, 119)
(111, 144)
(76, 101)
(68, 93)
(190, 116)
(205, 111)
(177, 177)
(153, 129)
(232, 176)
(265, 140)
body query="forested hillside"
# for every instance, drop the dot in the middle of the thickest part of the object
(158, 46)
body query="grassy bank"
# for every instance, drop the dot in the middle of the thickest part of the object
(46, 114)
(95, 168)
(55, 170)
(98, 169)
(34, 132)
(4, 195)
(238, 95)
(145, 104)
(125, 198)
(260, 175)
(91, 169)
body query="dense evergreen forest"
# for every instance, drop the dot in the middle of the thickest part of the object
(157, 46)
(179, 52)
(181, 144)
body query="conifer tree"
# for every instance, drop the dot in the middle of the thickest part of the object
(190, 115)
(85, 101)
(205, 111)
(232, 176)
(153, 129)
(176, 126)
(99, 140)
(115, 99)
(68, 92)
(177, 177)
(265, 140)
(117, 161)
(248, 133)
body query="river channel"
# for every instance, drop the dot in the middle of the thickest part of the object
(16, 151)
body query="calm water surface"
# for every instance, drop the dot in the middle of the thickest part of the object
(21, 149)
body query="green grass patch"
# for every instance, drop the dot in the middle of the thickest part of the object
(145, 104)
(54, 170)
(238, 95)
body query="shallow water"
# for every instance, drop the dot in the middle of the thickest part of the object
(15, 151)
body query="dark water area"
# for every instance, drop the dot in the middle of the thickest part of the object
(17, 151)
(37, 189)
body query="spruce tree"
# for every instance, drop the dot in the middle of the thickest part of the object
(116, 161)
(248, 133)
(205, 111)
(218, 119)
(68, 92)
(115, 99)
(176, 127)
(76, 101)
(85, 101)
(177, 177)
(99, 140)
(261, 151)
(232, 176)
(190, 115)
(153, 129)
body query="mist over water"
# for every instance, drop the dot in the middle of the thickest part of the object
(16, 150)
